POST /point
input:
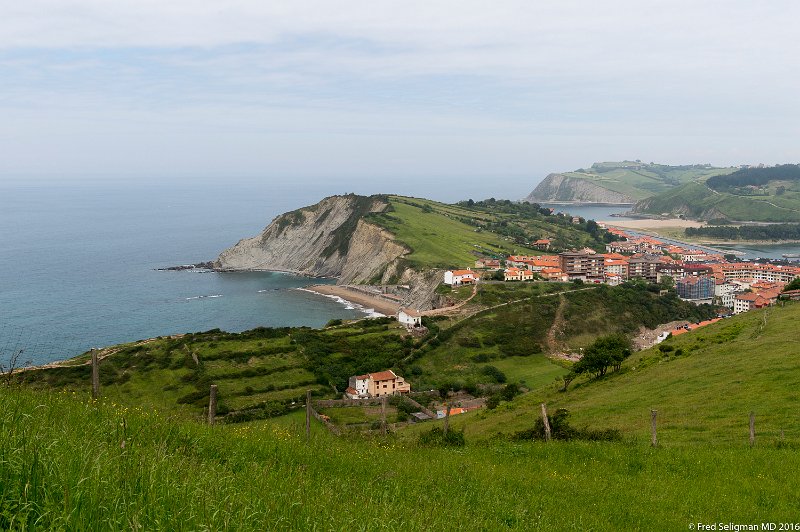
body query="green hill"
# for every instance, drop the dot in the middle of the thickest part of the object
(757, 194)
(442, 235)
(703, 385)
(619, 182)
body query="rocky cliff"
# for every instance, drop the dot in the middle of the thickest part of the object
(558, 187)
(331, 238)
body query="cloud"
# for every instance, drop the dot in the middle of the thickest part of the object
(448, 86)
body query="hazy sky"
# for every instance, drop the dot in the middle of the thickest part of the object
(480, 95)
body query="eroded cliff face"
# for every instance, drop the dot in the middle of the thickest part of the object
(558, 187)
(330, 238)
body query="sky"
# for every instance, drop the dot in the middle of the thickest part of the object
(390, 95)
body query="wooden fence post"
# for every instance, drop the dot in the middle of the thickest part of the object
(308, 414)
(546, 423)
(212, 405)
(95, 375)
(752, 428)
(383, 414)
(653, 433)
(447, 420)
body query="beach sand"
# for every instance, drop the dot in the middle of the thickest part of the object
(653, 224)
(386, 308)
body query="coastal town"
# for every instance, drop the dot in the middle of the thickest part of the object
(697, 275)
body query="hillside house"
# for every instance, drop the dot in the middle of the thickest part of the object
(460, 277)
(376, 385)
(518, 274)
(409, 317)
(489, 264)
(542, 243)
(555, 275)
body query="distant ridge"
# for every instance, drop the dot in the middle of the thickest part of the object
(620, 183)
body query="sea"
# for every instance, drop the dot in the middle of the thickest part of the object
(79, 266)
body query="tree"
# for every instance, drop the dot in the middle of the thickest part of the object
(605, 352)
(568, 378)
(794, 285)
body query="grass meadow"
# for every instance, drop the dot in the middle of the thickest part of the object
(72, 464)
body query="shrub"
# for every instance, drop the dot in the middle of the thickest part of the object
(510, 391)
(560, 429)
(468, 341)
(494, 373)
(493, 401)
(437, 436)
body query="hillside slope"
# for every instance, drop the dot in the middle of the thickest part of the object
(618, 182)
(261, 373)
(71, 464)
(757, 194)
(703, 384)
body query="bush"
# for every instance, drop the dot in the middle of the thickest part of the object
(493, 401)
(560, 429)
(510, 391)
(468, 341)
(494, 373)
(665, 348)
(480, 358)
(437, 436)
(333, 323)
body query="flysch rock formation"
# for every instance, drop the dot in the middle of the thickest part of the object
(332, 239)
(558, 187)
(328, 239)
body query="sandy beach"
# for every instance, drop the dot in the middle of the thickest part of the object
(645, 224)
(386, 308)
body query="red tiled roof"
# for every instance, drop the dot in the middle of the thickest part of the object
(383, 375)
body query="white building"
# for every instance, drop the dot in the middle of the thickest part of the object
(409, 317)
(726, 292)
(459, 277)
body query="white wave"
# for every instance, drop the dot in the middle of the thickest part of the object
(203, 297)
(348, 305)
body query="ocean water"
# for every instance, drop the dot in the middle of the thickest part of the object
(78, 265)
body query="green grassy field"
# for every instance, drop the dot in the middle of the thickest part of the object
(69, 464)
(703, 388)
(452, 236)
(437, 239)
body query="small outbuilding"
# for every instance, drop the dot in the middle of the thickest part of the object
(409, 317)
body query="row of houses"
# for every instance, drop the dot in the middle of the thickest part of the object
(700, 276)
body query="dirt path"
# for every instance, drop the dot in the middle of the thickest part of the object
(557, 326)
(447, 310)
